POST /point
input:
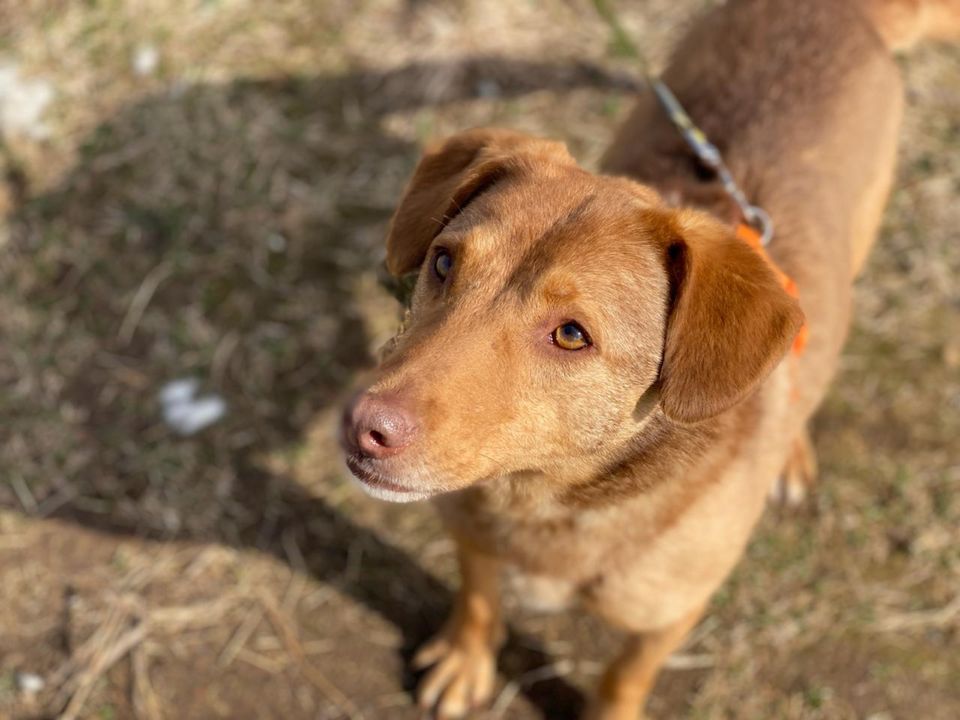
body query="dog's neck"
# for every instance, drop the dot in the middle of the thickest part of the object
(662, 451)
(664, 462)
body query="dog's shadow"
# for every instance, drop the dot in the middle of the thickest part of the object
(220, 231)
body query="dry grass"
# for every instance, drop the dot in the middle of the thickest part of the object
(222, 217)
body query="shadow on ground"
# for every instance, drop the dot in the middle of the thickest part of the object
(225, 233)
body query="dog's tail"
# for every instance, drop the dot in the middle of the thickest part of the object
(904, 23)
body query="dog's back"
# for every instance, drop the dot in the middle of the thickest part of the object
(805, 102)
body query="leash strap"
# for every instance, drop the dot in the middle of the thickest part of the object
(710, 156)
(756, 230)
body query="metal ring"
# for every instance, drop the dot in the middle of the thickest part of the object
(762, 222)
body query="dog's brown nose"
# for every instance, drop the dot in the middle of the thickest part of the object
(378, 426)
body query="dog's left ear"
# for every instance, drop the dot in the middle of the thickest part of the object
(452, 174)
(730, 320)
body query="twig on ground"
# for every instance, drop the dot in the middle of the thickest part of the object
(690, 661)
(198, 615)
(141, 299)
(101, 664)
(22, 491)
(239, 639)
(261, 662)
(940, 617)
(123, 626)
(283, 627)
(146, 706)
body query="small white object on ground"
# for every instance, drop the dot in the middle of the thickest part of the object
(30, 683)
(184, 411)
(146, 58)
(22, 103)
(276, 242)
(179, 391)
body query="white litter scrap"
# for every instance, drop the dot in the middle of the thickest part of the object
(145, 60)
(29, 683)
(184, 411)
(22, 103)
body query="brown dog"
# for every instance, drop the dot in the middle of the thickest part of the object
(596, 387)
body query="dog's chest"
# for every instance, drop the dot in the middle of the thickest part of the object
(550, 561)
(540, 593)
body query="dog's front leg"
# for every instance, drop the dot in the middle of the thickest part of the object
(463, 655)
(628, 680)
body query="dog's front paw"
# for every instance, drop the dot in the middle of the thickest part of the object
(460, 679)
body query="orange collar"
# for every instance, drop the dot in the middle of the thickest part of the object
(752, 238)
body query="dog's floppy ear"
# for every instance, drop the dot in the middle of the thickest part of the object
(730, 320)
(448, 177)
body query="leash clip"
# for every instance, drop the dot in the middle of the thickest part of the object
(760, 220)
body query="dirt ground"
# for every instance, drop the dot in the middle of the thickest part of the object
(203, 193)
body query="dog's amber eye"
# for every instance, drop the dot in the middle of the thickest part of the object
(442, 264)
(570, 336)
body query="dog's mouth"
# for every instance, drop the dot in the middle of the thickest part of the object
(375, 484)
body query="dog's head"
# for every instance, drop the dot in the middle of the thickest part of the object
(553, 311)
